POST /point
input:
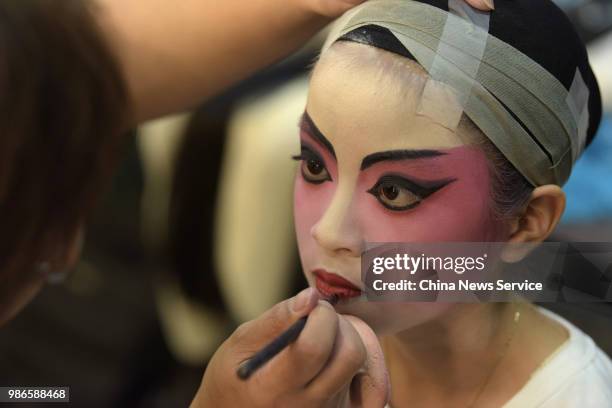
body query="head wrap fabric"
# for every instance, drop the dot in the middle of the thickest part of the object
(533, 95)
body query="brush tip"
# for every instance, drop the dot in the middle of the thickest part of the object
(244, 371)
(333, 299)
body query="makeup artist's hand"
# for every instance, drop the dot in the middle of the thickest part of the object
(335, 362)
(334, 8)
(329, 8)
(484, 5)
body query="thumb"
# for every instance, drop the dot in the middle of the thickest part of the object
(371, 386)
(252, 335)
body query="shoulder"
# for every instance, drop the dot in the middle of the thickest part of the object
(579, 374)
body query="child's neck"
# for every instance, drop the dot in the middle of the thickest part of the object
(460, 359)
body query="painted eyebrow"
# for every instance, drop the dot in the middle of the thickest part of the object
(396, 155)
(307, 124)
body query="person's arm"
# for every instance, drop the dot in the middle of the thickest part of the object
(173, 54)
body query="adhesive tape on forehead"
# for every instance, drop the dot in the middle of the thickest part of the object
(449, 113)
(522, 108)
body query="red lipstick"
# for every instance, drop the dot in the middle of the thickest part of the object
(330, 284)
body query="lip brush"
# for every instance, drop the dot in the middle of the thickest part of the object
(277, 345)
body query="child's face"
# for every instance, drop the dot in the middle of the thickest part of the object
(373, 170)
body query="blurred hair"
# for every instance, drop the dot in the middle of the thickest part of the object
(63, 106)
(510, 190)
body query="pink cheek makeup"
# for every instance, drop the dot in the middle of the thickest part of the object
(457, 212)
(311, 200)
(310, 203)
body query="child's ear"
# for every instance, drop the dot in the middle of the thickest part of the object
(537, 221)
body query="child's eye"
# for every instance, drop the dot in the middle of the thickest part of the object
(314, 171)
(398, 193)
(394, 196)
(312, 167)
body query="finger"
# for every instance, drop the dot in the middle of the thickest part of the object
(484, 5)
(371, 387)
(300, 362)
(333, 8)
(251, 336)
(347, 358)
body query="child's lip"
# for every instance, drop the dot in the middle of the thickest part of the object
(330, 284)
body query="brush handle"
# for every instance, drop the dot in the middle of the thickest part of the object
(277, 345)
(273, 348)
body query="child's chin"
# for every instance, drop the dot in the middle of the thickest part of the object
(392, 318)
(370, 313)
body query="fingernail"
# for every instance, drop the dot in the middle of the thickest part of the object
(301, 300)
(489, 4)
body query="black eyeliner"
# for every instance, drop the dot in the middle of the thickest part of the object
(421, 189)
